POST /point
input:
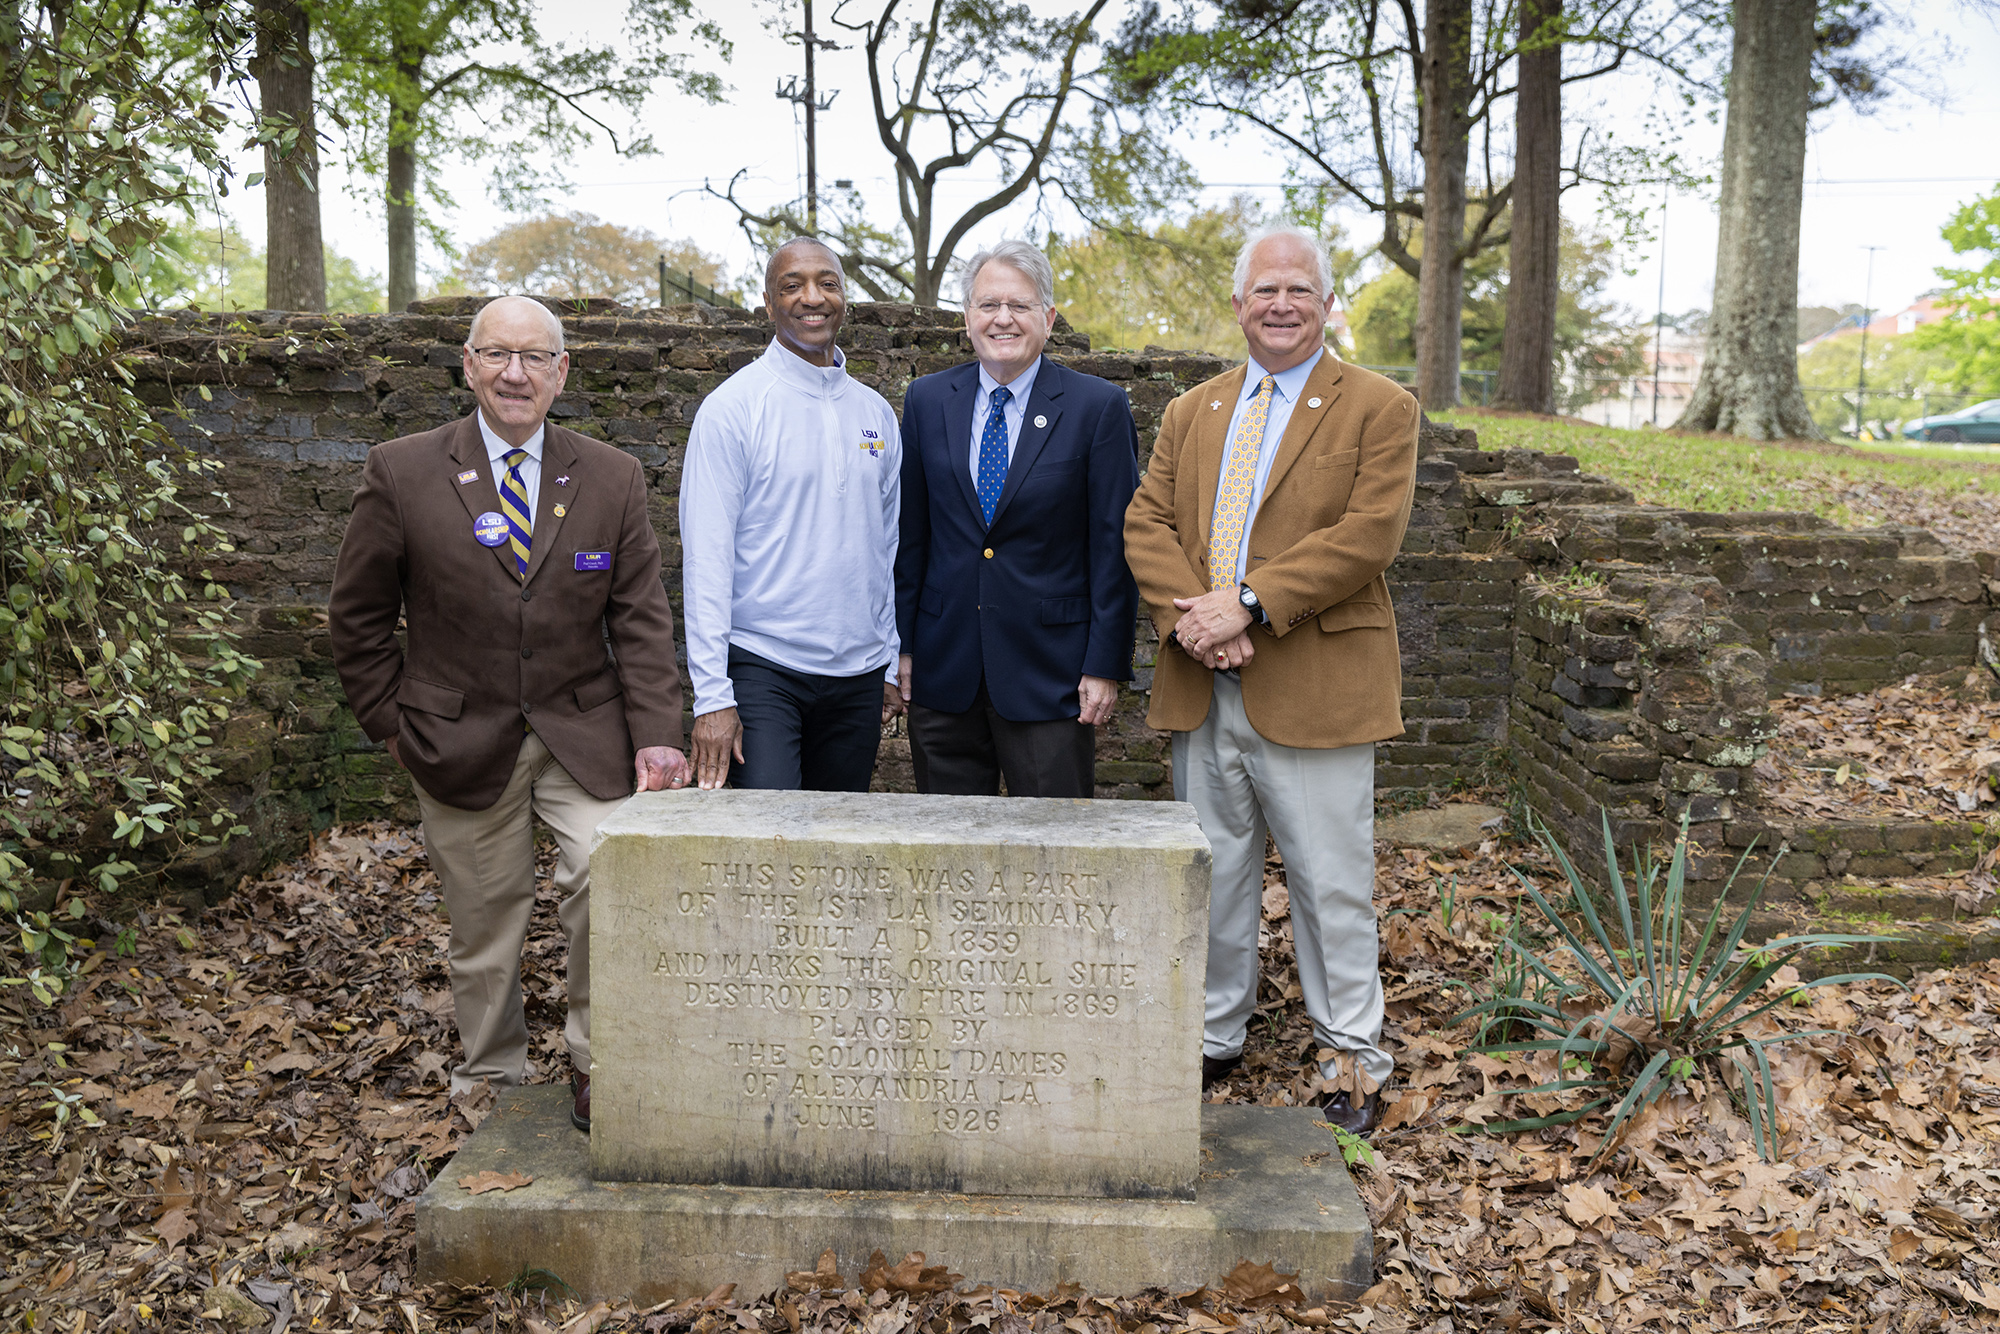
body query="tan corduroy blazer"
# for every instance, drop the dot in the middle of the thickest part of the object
(1328, 671)
(487, 650)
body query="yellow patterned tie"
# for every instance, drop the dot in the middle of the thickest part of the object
(1232, 502)
(520, 517)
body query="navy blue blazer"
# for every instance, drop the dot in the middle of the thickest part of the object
(1044, 596)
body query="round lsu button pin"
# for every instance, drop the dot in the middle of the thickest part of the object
(490, 528)
(1312, 402)
(1041, 422)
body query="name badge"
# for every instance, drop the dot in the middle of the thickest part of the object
(593, 560)
(490, 528)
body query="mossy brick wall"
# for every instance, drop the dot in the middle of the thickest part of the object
(1503, 549)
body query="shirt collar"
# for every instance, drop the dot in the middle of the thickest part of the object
(1289, 383)
(1018, 389)
(496, 448)
(789, 365)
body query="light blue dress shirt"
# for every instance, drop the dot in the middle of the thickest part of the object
(1284, 397)
(531, 467)
(1013, 413)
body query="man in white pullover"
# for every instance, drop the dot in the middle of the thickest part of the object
(789, 513)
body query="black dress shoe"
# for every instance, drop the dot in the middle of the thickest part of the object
(579, 1087)
(1214, 1069)
(1356, 1118)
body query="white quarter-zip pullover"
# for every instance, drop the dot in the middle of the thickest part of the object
(789, 499)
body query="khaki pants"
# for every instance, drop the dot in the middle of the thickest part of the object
(1320, 807)
(486, 862)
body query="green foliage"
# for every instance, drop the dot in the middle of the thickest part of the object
(1902, 374)
(1639, 986)
(1970, 336)
(212, 267)
(477, 81)
(1353, 1148)
(115, 659)
(577, 255)
(1167, 285)
(1594, 337)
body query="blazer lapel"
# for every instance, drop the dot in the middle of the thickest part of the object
(482, 496)
(957, 408)
(559, 455)
(1323, 386)
(1038, 423)
(1211, 435)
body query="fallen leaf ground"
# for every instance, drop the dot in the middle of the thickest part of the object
(270, 1080)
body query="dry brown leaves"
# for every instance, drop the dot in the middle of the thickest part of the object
(1926, 749)
(273, 1093)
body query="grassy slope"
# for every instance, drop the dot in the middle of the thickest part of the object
(1717, 473)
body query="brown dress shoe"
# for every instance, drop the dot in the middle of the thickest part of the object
(579, 1087)
(1356, 1118)
(1214, 1069)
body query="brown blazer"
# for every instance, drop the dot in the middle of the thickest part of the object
(1328, 671)
(487, 649)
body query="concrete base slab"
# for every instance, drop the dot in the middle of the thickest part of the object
(1272, 1190)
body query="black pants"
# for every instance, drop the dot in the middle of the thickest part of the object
(965, 754)
(803, 731)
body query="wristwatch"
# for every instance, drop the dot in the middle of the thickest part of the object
(1248, 597)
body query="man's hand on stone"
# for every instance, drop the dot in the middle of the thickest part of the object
(657, 768)
(1213, 629)
(717, 736)
(892, 700)
(1095, 697)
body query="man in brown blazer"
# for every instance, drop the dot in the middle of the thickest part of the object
(539, 678)
(1276, 497)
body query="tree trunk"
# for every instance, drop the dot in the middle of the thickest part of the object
(1750, 378)
(1528, 344)
(294, 257)
(400, 200)
(1446, 94)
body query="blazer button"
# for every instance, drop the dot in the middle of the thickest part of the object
(526, 594)
(527, 707)
(989, 553)
(527, 653)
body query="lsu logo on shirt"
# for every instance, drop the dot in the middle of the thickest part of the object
(872, 442)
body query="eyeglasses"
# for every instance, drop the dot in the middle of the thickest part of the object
(532, 359)
(1020, 310)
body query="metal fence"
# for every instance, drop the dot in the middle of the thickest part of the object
(674, 284)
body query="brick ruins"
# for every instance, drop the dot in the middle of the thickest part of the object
(1600, 652)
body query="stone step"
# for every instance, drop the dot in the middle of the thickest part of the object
(1273, 1189)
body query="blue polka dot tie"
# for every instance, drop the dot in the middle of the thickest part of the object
(993, 455)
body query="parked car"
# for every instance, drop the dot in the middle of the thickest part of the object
(1981, 421)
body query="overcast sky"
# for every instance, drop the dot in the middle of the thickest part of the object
(1888, 179)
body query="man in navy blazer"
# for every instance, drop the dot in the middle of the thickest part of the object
(1013, 601)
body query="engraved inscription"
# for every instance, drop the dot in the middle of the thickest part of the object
(909, 984)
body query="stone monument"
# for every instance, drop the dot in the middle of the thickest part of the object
(969, 1026)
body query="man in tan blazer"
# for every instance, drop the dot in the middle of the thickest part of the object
(1276, 497)
(539, 678)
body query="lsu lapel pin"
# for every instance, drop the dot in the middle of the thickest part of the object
(1312, 402)
(469, 475)
(1040, 422)
(563, 480)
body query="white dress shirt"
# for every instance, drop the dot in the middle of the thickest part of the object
(1014, 412)
(1288, 385)
(531, 467)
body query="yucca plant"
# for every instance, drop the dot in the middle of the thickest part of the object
(1647, 986)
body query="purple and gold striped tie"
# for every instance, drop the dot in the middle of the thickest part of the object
(1232, 500)
(520, 515)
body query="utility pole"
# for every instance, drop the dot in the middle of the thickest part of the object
(808, 97)
(1867, 315)
(1660, 308)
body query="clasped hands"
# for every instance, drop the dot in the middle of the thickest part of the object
(1214, 629)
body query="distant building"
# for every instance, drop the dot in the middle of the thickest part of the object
(1630, 402)
(1924, 310)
